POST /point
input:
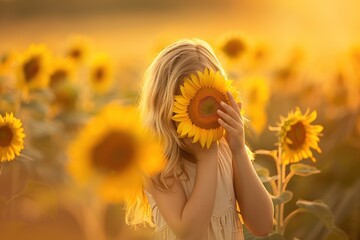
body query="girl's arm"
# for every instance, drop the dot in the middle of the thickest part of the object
(189, 218)
(254, 201)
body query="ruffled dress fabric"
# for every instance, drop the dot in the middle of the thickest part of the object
(225, 222)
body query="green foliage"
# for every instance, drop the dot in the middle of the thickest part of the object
(284, 197)
(264, 173)
(303, 169)
(319, 209)
(272, 236)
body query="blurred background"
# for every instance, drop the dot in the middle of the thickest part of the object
(280, 54)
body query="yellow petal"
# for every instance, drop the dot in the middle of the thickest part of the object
(187, 127)
(193, 130)
(311, 117)
(210, 138)
(179, 117)
(190, 90)
(182, 100)
(203, 137)
(195, 81)
(185, 93)
(180, 106)
(197, 135)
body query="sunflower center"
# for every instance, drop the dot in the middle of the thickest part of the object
(4, 58)
(297, 135)
(57, 77)
(234, 48)
(6, 135)
(114, 153)
(31, 68)
(75, 53)
(202, 108)
(99, 74)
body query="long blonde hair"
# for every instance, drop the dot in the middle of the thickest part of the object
(160, 81)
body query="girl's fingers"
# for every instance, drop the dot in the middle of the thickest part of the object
(226, 126)
(233, 102)
(231, 111)
(229, 120)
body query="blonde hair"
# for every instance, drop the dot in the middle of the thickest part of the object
(160, 81)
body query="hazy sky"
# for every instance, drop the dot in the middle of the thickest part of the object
(323, 27)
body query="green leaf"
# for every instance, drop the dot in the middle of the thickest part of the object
(263, 173)
(272, 236)
(41, 93)
(247, 234)
(318, 208)
(303, 169)
(265, 179)
(284, 197)
(336, 234)
(36, 109)
(272, 153)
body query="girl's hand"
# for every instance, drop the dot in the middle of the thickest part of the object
(232, 122)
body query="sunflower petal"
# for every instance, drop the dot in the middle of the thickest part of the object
(210, 138)
(197, 135)
(193, 130)
(182, 100)
(189, 89)
(203, 137)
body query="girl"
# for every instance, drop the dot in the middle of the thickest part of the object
(195, 195)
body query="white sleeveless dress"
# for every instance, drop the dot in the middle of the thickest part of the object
(225, 222)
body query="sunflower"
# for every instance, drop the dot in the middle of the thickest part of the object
(287, 78)
(11, 137)
(100, 74)
(61, 71)
(297, 136)
(33, 67)
(341, 95)
(255, 91)
(77, 48)
(232, 46)
(195, 109)
(112, 152)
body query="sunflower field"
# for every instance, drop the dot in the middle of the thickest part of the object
(72, 143)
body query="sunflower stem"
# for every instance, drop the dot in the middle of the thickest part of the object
(289, 217)
(279, 208)
(273, 187)
(287, 180)
(283, 174)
